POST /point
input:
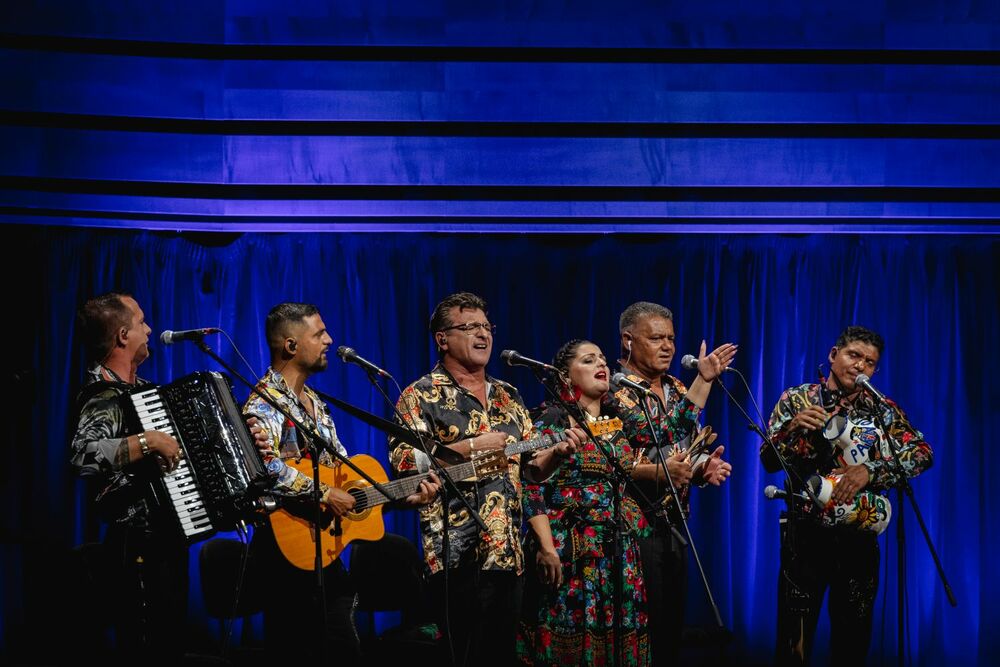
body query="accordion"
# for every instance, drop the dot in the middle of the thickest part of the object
(221, 479)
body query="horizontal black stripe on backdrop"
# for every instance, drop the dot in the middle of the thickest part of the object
(70, 121)
(501, 192)
(978, 224)
(203, 51)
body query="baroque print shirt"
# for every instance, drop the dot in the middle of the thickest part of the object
(437, 406)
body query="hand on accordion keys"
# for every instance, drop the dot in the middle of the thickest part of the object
(166, 449)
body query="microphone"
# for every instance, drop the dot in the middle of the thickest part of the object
(690, 362)
(512, 358)
(771, 492)
(863, 380)
(349, 356)
(621, 380)
(169, 337)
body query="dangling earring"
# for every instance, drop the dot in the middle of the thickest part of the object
(568, 391)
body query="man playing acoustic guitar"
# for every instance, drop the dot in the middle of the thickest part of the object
(461, 407)
(298, 341)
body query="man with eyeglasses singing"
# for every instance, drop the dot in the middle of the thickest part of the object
(471, 413)
(830, 429)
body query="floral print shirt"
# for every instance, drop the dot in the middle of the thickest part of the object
(674, 422)
(578, 497)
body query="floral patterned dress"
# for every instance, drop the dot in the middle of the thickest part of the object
(574, 623)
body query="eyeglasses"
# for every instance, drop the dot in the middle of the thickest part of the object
(471, 328)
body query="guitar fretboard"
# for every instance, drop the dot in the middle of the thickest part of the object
(401, 488)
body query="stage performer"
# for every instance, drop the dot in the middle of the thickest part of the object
(831, 428)
(570, 606)
(299, 341)
(472, 414)
(647, 337)
(145, 557)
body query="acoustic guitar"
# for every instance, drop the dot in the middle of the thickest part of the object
(292, 523)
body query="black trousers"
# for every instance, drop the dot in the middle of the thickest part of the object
(147, 573)
(664, 569)
(293, 615)
(816, 558)
(483, 609)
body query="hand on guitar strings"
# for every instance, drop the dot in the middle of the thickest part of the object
(339, 501)
(575, 437)
(426, 492)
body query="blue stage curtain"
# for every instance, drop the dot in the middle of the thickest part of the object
(784, 299)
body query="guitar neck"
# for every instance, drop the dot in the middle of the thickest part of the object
(539, 442)
(401, 488)
(398, 489)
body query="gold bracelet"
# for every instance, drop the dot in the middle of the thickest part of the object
(143, 444)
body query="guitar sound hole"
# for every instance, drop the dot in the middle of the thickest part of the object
(359, 500)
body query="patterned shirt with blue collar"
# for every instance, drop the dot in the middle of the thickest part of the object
(286, 441)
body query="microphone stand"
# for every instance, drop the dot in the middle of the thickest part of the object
(447, 484)
(902, 484)
(621, 478)
(680, 509)
(316, 444)
(791, 476)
